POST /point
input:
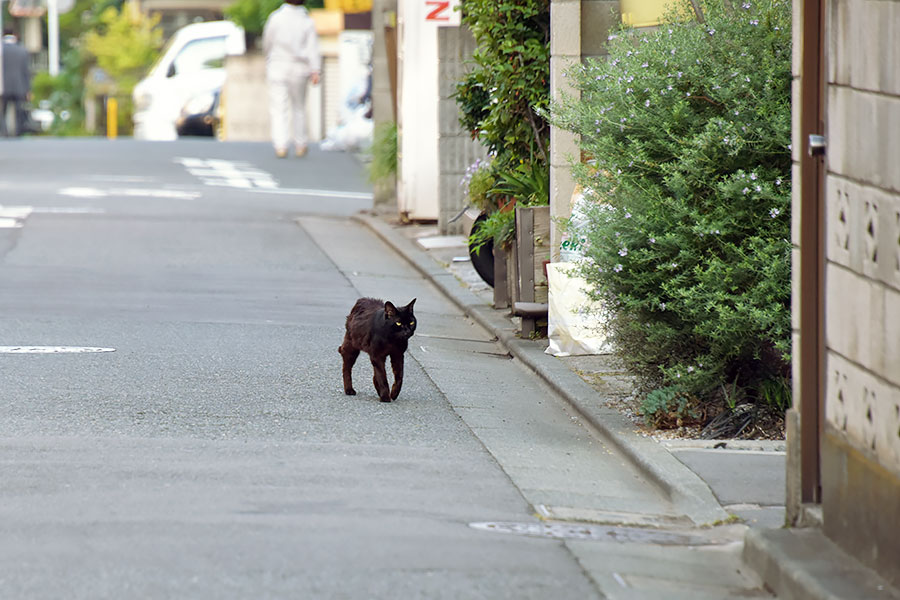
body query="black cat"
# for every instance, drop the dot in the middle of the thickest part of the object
(379, 329)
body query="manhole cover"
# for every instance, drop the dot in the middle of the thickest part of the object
(598, 533)
(51, 349)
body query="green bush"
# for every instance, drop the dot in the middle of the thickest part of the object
(688, 129)
(502, 97)
(527, 185)
(384, 153)
(667, 407)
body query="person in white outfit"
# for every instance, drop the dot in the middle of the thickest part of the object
(292, 58)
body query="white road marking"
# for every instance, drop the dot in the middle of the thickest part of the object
(318, 193)
(85, 192)
(144, 193)
(238, 174)
(122, 178)
(13, 217)
(67, 210)
(51, 349)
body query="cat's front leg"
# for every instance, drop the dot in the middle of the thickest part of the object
(397, 367)
(380, 379)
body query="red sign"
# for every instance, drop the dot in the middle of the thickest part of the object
(442, 12)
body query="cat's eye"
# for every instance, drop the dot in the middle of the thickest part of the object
(399, 324)
(412, 323)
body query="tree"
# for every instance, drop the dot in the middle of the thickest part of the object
(126, 44)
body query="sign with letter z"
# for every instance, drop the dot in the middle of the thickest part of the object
(443, 13)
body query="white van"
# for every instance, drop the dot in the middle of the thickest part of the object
(192, 63)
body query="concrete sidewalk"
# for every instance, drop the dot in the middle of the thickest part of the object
(707, 484)
(710, 482)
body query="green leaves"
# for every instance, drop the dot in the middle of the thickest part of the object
(126, 42)
(688, 127)
(502, 97)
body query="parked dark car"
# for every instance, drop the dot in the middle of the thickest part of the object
(198, 116)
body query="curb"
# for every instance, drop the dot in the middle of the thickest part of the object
(803, 564)
(684, 488)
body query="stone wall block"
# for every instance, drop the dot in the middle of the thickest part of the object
(452, 202)
(891, 367)
(855, 119)
(448, 118)
(865, 409)
(566, 27)
(854, 315)
(842, 223)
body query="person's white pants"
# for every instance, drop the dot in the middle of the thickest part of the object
(287, 104)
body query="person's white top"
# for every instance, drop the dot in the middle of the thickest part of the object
(290, 36)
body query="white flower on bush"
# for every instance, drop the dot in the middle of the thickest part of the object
(774, 213)
(618, 267)
(623, 252)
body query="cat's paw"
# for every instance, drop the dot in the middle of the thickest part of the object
(395, 391)
(385, 399)
(350, 391)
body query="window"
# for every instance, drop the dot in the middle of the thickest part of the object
(206, 53)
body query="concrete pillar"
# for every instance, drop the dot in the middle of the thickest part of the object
(565, 51)
(384, 13)
(578, 29)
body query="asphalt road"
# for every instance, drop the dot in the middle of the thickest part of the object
(212, 453)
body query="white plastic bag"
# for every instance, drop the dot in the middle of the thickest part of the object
(572, 318)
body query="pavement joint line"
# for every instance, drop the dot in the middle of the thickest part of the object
(684, 488)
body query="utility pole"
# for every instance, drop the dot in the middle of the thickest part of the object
(52, 36)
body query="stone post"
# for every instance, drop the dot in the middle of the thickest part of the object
(384, 13)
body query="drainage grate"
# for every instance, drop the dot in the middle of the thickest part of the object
(598, 533)
(51, 349)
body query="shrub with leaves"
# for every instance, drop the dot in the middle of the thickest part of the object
(384, 153)
(688, 129)
(501, 98)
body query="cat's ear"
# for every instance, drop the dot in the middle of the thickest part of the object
(410, 305)
(390, 311)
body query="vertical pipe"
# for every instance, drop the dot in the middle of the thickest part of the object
(812, 252)
(112, 118)
(53, 36)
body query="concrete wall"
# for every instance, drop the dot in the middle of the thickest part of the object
(417, 187)
(456, 149)
(861, 447)
(246, 104)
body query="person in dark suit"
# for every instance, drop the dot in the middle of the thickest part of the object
(16, 82)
